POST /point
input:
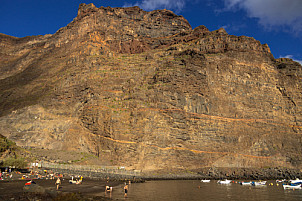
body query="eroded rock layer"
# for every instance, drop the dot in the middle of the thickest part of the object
(143, 90)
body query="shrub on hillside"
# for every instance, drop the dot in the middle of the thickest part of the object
(5, 144)
(19, 163)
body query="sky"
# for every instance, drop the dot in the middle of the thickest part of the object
(275, 22)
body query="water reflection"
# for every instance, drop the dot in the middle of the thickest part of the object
(194, 190)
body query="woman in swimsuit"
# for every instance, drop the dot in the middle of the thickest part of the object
(58, 182)
(126, 190)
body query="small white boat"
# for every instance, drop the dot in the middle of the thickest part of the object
(280, 181)
(245, 183)
(205, 180)
(292, 186)
(295, 181)
(259, 183)
(224, 181)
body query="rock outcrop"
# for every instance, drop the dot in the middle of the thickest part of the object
(143, 90)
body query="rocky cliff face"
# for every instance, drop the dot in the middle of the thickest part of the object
(143, 90)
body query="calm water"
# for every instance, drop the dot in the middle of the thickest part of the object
(188, 191)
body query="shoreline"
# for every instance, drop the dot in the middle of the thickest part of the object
(214, 173)
(93, 186)
(218, 173)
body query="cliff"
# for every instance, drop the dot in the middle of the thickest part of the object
(143, 90)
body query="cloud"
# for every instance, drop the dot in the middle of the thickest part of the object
(271, 13)
(175, 5)
(292, 57)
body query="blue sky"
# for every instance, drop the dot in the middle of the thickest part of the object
(275, 22)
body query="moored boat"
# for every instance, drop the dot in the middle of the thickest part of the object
(291, 186)
(245, 183)
(205, 180)
(259, 183)
(224, 181)
(296, 181)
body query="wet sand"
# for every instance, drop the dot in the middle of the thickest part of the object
(89, 189)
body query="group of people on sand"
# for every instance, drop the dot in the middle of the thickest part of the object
(15, 174)
(58, 181)
(109, 188)
(77, 181)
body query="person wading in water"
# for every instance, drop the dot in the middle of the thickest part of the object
(126, 190)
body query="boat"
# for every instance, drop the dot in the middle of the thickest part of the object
(280, 181)
(245, 183)
(224, 181)
(205, 180)
(259, 183)
(296, 181)
(291, 186)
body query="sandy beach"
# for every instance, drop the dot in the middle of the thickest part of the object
(91, 189)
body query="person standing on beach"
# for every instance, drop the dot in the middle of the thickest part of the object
(126, 189)
(108, 189)
(58, 182)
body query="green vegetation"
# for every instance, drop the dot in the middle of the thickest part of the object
(15, 162)
(11, 158)
(5, 144)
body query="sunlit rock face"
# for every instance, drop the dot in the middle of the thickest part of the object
(143, 90)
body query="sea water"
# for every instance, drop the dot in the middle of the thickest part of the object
(193, 190)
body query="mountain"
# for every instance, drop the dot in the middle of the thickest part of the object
(143, 90)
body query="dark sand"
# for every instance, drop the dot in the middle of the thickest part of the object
(89, 189)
